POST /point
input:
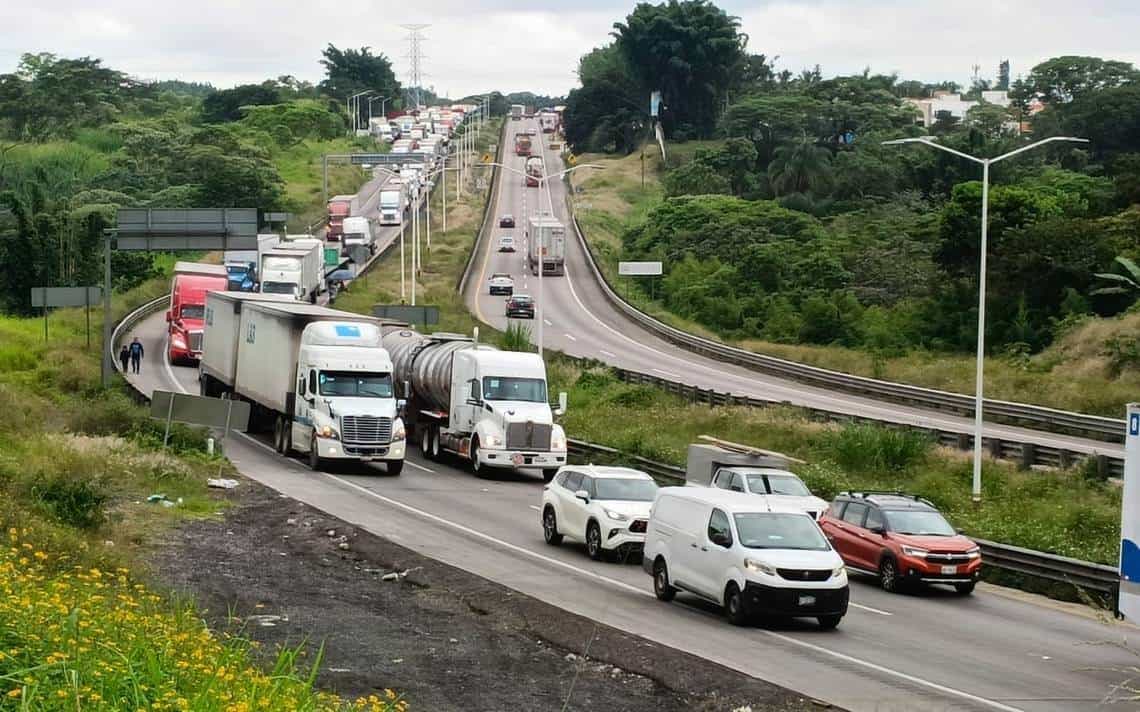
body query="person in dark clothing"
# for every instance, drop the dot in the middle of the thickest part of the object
(125, 357)
(136, 354)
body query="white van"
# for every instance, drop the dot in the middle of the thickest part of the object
(358, 231)
(735, 550)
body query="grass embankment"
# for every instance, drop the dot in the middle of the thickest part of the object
(302, 168)
(1063, 512)
(443, 263)
(77, 464)
(1093, 368)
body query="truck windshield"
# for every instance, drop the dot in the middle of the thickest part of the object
(192, 311)
(355, 384)
(773, 530)
(283, 264)
(237, 270)
(777, 484)
(532, 390)
(389, 200)
(278, 288)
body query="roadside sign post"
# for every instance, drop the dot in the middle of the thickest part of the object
(66, 297)
(224, 413)
(1128, 603)
(639, 269)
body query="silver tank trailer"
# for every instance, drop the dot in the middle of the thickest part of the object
(425, 363)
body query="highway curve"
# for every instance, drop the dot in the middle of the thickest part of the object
(994, 650)
(578, 320)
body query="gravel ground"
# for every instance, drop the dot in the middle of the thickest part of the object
(285, 573)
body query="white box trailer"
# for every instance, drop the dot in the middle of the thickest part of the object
(295, 267)
(548, 236)
(317, 377)
(358, 231)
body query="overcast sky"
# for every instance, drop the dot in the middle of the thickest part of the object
(481, 45)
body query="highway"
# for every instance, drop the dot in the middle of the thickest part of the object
(932, 651)
(578, 320)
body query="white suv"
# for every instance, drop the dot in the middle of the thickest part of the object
(605, 507)
(734, 550)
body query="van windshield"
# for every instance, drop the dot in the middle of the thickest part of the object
(777, 530)
(507, 388)
(356, 384)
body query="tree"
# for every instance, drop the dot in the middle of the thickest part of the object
(351, 71)
(1064, 79)
(1127, 283)
(603, 114)
(294, 121)
(226, 104)
(688, 49)
(800, 167)
(695, 178)
(989, 119)
(1108, 118)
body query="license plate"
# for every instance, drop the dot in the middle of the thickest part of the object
(807, 600)
(949, 570)
(517, 459)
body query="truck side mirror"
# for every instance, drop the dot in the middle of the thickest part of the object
(561, 409)
(168, 316)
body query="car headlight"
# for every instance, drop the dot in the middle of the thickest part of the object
(616, 516)
(914, 551)
(327, 431)
(838, 571)
(975, 553)
(398, 432)
(759, 567)
(492, 440)
(558, 439)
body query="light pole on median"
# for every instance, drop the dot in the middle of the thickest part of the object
(978, 384)
(354, 109)
(542, 180)
(383, 100)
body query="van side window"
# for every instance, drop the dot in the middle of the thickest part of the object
(854, 513)
(719, 530)
(573, 479)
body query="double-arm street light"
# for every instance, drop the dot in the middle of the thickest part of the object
(354, 103)
(543, 180)
(985, 163)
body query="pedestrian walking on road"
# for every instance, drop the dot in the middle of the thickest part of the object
(125, 357)
(136, 354)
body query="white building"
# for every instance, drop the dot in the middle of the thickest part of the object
(927, 110)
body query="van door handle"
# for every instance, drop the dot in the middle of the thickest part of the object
(693, 545)
(704, 548)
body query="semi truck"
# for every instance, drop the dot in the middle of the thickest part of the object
(316, 377)
(534, 171)
(548, 121)
(358, 231)
(522, 144)
(484, 405)
(295, 268)
(340, 207)
(393, 200)
(188, 289)
(241, 269)
(516, 112)
(547, 235)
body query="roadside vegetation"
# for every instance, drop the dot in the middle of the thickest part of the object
(785, 225)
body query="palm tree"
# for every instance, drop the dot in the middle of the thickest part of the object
(799, 168)
(1128, 283)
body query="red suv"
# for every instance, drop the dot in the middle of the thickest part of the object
(902, 539)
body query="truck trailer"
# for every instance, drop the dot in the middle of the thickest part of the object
(316, 377)
(548, 236)
(340, 207)
(358, 231)
(516, 112)
(486, 406)
(188, 289)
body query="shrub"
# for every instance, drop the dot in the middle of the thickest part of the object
(75, 502)
(869, 448)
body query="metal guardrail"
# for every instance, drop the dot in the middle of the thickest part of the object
(1025, 454)
(1038, 417)
(1086, 575)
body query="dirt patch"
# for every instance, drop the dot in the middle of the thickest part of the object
(283, 573)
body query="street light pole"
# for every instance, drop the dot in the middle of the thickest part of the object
(976, 490)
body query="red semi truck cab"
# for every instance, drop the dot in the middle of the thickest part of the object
(186, 317)
(340, 207)
(522, 144)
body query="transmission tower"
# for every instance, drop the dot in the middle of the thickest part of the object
(415, 62)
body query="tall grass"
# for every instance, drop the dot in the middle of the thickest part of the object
(516, 338)
(871, 448)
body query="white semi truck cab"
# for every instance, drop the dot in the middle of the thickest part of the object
(487, 406)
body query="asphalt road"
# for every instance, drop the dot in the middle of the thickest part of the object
(994, 650)
(577, 319)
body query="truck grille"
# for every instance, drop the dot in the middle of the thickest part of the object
(196, 341)
(528, 436)
(804, 574)
(365, 430)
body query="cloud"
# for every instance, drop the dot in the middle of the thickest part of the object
(481, 45)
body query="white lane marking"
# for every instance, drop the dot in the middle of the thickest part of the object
(607, 353)
(568, 336)
(166, 365)
(640, 591)
(666, 373)
(418, 467)
(534, 507)
(872, 610)
(547, 322)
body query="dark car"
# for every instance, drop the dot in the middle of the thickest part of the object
(902, 539)
(507, 220)
(520, 306)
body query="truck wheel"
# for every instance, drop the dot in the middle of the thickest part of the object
(425, 441)
(316, 462)
(436, 451)
(395, 467)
